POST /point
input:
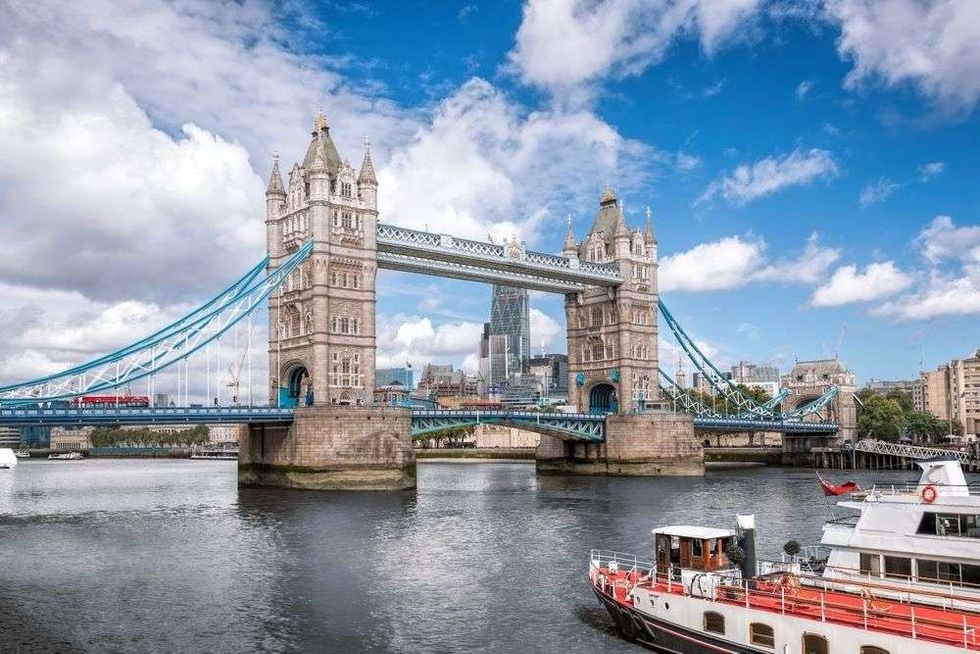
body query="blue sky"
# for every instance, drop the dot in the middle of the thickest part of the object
(810, 164)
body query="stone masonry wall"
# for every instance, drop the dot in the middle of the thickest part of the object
(332, 448)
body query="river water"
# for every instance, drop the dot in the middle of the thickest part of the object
(129, 555)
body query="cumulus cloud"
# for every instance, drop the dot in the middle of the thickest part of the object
(803, 89)
(877, 191)
(849, 285)
(933, 46)
(479, 166)
(770, 175)
(939, 296)
(736, 261)
(413, 339)
(564, 45)
(943, 240)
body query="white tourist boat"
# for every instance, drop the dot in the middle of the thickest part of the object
(22, 454)
(66, 456)
(7, 458)
(216, 454)
(902, 575)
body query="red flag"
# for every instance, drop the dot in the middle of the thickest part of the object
(840, 489)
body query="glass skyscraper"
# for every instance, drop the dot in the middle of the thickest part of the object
(508, 334)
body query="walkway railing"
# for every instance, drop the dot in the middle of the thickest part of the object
(872, 446)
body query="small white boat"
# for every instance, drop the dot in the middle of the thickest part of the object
(7, 458)
(217, 454)
(66, 456)
(22, 454)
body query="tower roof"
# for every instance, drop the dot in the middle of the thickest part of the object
(367, 175)
(275, 179)
(321, 139)
(608, 217)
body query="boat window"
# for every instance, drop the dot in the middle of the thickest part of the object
(714, 622)
(898, 566)
(872, 649)
(947, 524)
(971, 574)
(939, 571)
(928, 523)
(696, 548)
(870, 564)
(762, 634)
(814, 644)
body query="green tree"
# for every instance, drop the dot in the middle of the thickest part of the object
(903, 398)
(924, 427)
(881, 418)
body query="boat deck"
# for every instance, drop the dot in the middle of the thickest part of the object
(783, 595)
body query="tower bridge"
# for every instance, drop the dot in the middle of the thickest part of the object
(325, 244)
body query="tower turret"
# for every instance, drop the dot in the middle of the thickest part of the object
(569, 249)
(367, 181)
(649, 239)
(275, 201)
(621, 236)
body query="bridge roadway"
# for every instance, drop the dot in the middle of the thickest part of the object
(573, 426)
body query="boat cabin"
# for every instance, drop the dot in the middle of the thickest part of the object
(691, 548)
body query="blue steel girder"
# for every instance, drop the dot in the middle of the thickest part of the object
(514, 260)
(167, 346)
(108, 416)
(578, 426)
(472, 273)
(784, 426)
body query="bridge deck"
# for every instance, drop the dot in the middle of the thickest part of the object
(576, 426)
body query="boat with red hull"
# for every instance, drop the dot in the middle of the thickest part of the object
(899, 578)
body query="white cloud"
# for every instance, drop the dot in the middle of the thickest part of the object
(772, 174)
(564, 45)
(803, 89)
(940, 296)
(545, 331)
(482, 166)
(718, 265)
(809, 268)
(877, 191)
(942, 240)
(931, 170)
(687, 162)
(848, 285)
(416, 340)
(934, 46)
(736, 261)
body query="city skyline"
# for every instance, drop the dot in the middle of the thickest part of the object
(802, 175)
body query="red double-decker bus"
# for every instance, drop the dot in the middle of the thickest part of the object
(110, 401)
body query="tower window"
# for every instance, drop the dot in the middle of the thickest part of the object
(345, 189)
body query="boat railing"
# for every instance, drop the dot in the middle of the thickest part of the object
(786, 594)
(912, 488)
(613, 560)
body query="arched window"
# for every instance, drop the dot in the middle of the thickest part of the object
(762, 634)
(595, 317)
(873, 649)
(714, 622)
(597, 352)
(815, 644)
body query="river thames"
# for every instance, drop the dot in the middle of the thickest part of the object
(125, 555)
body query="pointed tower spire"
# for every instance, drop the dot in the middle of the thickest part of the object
(319, 156)
(275, 179)
(367, 175)
(648, 236)
(569, 248)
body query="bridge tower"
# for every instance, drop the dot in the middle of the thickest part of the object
(321, 322)
(612, 361)
(322, 334)
(612, 333)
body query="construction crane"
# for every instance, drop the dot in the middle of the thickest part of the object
(840, 341)
(236, 367)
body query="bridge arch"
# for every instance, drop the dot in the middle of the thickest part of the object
(296, 385)
(603, 398)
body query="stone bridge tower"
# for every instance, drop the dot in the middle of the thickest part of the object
(321, 321)
(612, 334)
(321, 336)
